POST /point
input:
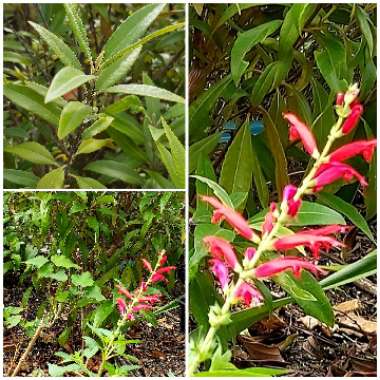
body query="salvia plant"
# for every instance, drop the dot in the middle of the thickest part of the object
(83, 108)
(241, 276)
(112, 343)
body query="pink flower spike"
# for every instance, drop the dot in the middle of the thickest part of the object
(364, 147)
(143, 286)
(248, 294)
(270, 219)
(311, 241)
(276, 266)
(298, 130)
(220, 272)
(353, 119)
(122, 306)
(293, 206)
(249, 253)
(130, 317)
(147, 265)
(124, 292)
(140, 307)
(222, 250)
(157, 277)
(333, 171)
(232, 217)
(166, 269)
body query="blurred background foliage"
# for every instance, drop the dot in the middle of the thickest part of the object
(135, 159)
(251, 62)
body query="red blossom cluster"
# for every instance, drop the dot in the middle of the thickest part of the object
(331, 167)
(141, 299)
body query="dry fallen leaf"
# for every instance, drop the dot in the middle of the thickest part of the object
(348, 306)
(261, 352)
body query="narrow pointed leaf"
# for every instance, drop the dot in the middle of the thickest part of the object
(91, 145)
(52, 180)
(97, 127)
(33, 152)
(88, 183)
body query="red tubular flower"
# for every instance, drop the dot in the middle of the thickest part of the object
(140, 307)
(166, 269)
(147, 265)
(333, 171)
(298, 130)
(249, 253)
(293, 206)
(150, 298)
(122, 306)
(364, 147)
(222, 250)
(163, 260)
(143, 286)
(328, 230)
(220, 271)
(248, 294)
(311, 241)
(270, 219)
(233, 218)
(157, 277)
(339, 98)
(281, 264)
(124, 292)
(352, 120)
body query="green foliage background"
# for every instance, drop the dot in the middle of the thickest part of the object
(63, 67)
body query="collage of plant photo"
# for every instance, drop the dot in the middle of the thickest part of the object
(189, 189)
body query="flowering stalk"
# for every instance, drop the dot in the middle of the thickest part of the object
(138, 301)
(349, 111)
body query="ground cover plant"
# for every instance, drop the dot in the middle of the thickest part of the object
(94, 96)
(283, 190)
(93, 284)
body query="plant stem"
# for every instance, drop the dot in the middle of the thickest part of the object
(264, 245)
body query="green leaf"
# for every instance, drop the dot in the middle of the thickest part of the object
(116, 170)
(91, 145)
(200, 109)
(98, 126)
(230, 11)
(204, 146)
(79, 30)
(273, 141)
(95, 293)
(348, 210)
(363, 20)
(116, 71)
(37, 261)
(91, 347)
(52, 180)
(245, 42)
(83, 280)
(259, 179)
(20, 177)
(88, 183)
(71, 118)
(59, 276)
(32, 101)
(146, 90)
(63, 262)
(310, 213)
(33, 152)
(236, 174)
(178, 156)
(59, 371)
(132, 29)
(66, 80)
(102, 312)
(60, 49)
(366, 266)
(217, 189)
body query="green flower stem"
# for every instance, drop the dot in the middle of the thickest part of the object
(107, 353)
(264, 245)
